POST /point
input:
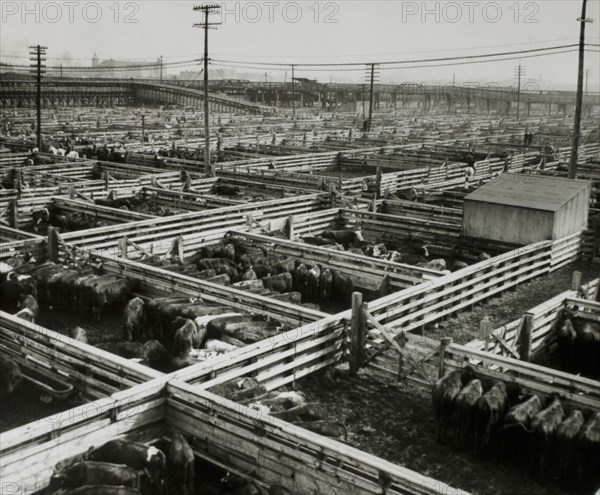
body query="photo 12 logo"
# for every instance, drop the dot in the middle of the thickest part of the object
(72, 12)
(271, 12)
(471, 12)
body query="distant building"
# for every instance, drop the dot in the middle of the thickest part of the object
(121, 69)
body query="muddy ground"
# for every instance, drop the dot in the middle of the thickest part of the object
(511, 305)
(396, 423)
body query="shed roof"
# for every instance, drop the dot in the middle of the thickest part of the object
(529, 191)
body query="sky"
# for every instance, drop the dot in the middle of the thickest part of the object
(297, 32)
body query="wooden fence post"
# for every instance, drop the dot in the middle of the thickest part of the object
(52, 244)
(378, 179)
(290, 227)
(357, 332)
(123, 247)
(442, 366)
(14, 214)
(105, 177)
(374, 203)
(179, 248)
(576, 281)
(526, 328)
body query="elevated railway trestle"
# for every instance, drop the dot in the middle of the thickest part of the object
(113, 92)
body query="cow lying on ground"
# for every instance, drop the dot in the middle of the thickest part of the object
(95, 473)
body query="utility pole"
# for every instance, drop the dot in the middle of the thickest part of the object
(579, 103)
(372, 80)
(143, 129)
(363, 99)
(293, 94)
(206, 9)
(37, 54)
(520, 72)
(161, 67)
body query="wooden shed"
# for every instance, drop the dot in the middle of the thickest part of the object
(523, 208)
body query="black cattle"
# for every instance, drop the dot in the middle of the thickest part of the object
(262, 270)
(299, 278)
(109, 289)
(587, 448)
(344, 237)
(313, 278)
(221, 266)
(326, 285)
(96, 473)
(286, 265)
(489, 411)
(10, 375)
(155, 355)
(565, 340)
(463, 414)
(318, 240)
(514, 434)
(443, 395)
(543, 426)
(563, 453)
(587, 347)
(342, 287)
(180, 463)
(14, 286)
(150, 460)
(278, 283)
(225, 189)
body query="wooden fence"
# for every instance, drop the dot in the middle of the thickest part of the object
(96, 373)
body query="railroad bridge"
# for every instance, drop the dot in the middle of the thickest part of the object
(111, 92)
(255, 98)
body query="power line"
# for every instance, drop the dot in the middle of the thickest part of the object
(398, 62)
(220, 64)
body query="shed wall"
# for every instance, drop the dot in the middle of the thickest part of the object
(507, 223)
(572, 217)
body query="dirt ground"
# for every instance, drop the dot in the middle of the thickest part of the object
(396, 423)
(511, 305)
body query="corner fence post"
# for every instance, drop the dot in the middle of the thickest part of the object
(357, 329)
(576, 281)
(525, 337)
(52, 244)
(290, 226)
(442, 365)
(14, 214)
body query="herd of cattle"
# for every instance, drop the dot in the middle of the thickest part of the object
(578, 347)
(493, 418)
(254, 269)
(125, 467)
(165, 333)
